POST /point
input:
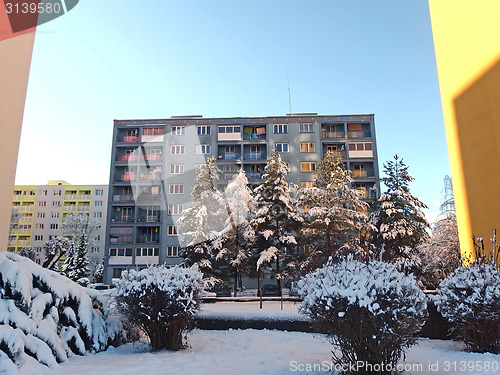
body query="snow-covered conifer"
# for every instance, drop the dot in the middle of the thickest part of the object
(80, 227)
(235, 242)
(334, 212)
(76, 265)
(276, 219)
(29, 252)
(201, 224)
(54, 249)
(398, 217)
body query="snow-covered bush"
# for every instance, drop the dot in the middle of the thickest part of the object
(370, 311)
(470, 300)
(161, 301)
(45, 316)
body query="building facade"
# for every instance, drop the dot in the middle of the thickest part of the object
(153, 167)
(38, 213)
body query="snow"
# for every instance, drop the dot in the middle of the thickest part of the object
(261, 352)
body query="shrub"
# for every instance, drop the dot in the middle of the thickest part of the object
(46, 317)
(470, 300)
(370, 312)
(161, 301)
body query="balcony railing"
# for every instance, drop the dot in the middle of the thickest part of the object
(149, 218)
(148, 239)
(332, 134)
(127, 177)
(83, 208)
(127, 157)
(152, 157)
(254, 155)
(254, 175)
(84, 196)
(16, 197)
(27, 208)
(123, 197)
(69, 208)
(12, 242)
(337, 154)
(253, 136)
(149, 197)
(358, 134)
(23, 242)
(70, 196)
(26, 218)
(150, 177)
(229, 175)
(122, 239)
(124, 218)
(130, 138)
(230, 156)
(361, 174)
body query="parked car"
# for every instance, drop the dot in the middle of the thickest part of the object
(270, 290)
(101, 286)
(222, 291)
(208, 296)
(293, 290)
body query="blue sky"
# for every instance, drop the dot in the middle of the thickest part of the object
(122, 59)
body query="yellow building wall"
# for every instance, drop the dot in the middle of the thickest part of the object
(467, 45)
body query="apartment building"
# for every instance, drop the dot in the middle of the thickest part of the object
(38, 213)
(153, 167)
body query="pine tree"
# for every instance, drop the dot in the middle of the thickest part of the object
(398, 217)
(235, 242)
(276, 219)
(334, 213)
(29, 252)
(201, 224)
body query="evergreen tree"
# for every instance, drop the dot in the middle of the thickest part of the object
(29, 252)
(234, 245)
(276, 219)
(398, 217)
(55, 249)
(76, 264)
(80, 227)
(334, 213)
(201, 224)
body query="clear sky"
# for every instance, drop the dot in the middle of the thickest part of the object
(123, 59)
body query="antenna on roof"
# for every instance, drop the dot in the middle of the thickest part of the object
(289, 97)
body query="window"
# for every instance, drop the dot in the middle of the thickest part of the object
(99, 192)
(94, 249)
(120, 252)
(178, 130)
(306, 128)
(54, 226)
(98, 237)
(203, 129)
(360, 146)
(38, 237)
(229, 129)
(307, 166)
(173, 251)
(43, 192)
(203, 149)
(147, 252)
(56, 204)
(177, 150)
(174, 209)
(307, 147)
(57, 192)
(176, 168)
(281, 147)
(280, 128)
(98, 203)
(176, 189)
(97, 214)
(152, 131)
(41, 215)
(54, 215)
(308, 184)
(172, 230)
(39, 226)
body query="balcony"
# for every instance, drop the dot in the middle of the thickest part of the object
(254, 175)
(152, 157)
(332, 134)
(69, 208)
(230, 156)
(120, 260)
(26, 218)
(23, 242)
(123, 197)
(254, 155)
(83, 208)
(251, 133)
(70, 197)
(130, 139)
(127, 157)
(359, 134)
(12, 242)
(148, 238)
(122, 218)
(126, 177)
(150, 177)
(149, 197)
(27, 208)
(84, 196)
(149, 218)
(121, 239)
(16, 197)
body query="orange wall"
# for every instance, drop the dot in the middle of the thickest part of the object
(467, 45)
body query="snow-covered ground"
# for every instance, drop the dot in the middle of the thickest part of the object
(264, 352)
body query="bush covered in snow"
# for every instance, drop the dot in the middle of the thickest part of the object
(46, 317)
(370, 311)
(161, 301)
(470, 300)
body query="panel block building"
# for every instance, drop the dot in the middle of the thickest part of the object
(38, 212)
(153, 167)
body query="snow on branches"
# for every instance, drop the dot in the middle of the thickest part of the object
(46, 316)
